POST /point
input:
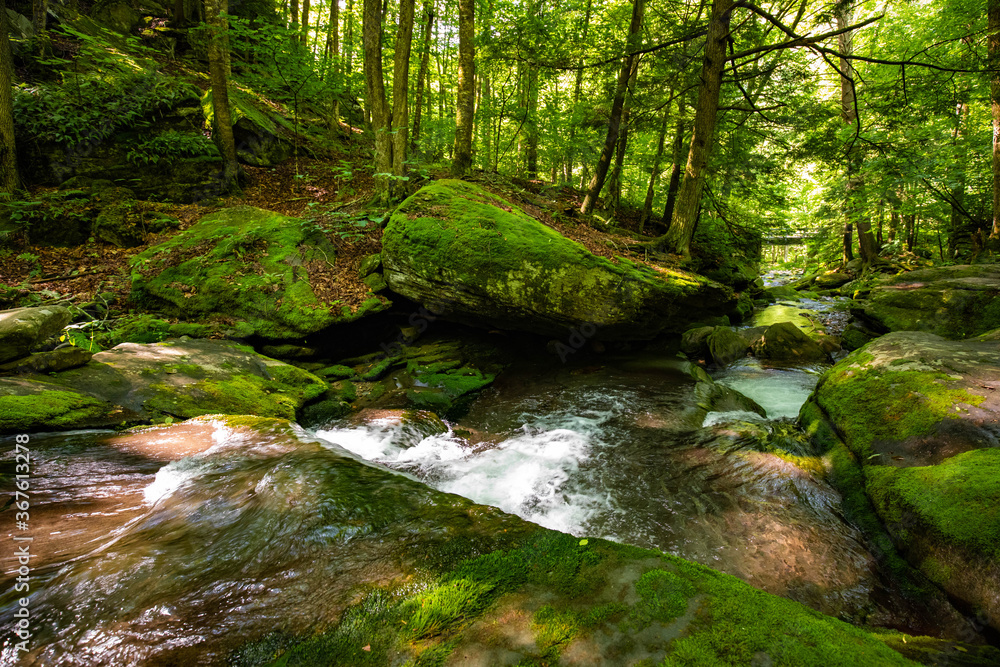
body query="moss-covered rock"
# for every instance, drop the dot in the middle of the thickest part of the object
(254, 266)
(31, 405)
(919, 414)
(135, 383)
(953, 301)
(257, 132)
(786, 343)
(480, 260)
(726, 346)
(22, 329)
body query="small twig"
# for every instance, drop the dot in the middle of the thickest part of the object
(54, 279)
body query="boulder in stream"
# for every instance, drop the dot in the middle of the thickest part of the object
(480, 260)
(786, 343)
(306, 555)
(951, 301)
(921, 416)
(264, 271)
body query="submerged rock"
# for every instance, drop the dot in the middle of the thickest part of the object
(359, 565)
(921, 414)
(135, 383)
(262, 269)
(950, 301)
(480, 260)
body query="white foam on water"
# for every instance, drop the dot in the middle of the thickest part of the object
(534, 475)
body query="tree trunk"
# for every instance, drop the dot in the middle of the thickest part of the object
(222, 125)
(349, 51)
(179, 17)
(617, 105)
(993, 49)
(529, 129)
(853, 209)
(39, 15)
(893, 225)
(10, 181)
(333, 53)
(577, 90)
(674, 184)
(647, 205)
(400, 96)
(304, 34)
(423, 76)
(685, 215)
(958, 191)
(910, 230)
(375, 102)
(294, 6)
(465, 102)
(615, 180)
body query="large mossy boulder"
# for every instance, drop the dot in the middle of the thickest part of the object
(22, 329)
(483, 261)
(407, 575)
(134, 383)
(921, 416)
(266, 272)
(950, 301)
(257, 133)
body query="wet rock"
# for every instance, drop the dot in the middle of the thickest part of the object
(135, 383)
(22, 329)
(726, 346)
(257, 267)
(921, 414)
(694, 342)
(781, 293)
(856, 335)
(487, 263)
(785, 342)
(951, 301)
(407, 573)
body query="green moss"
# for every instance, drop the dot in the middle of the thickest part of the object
(958, 498)
(378, 370)
(664, 595)
(49, 411)
(459, 234)
(553, 630)
(245, 263)
(870, 404)
(345, 390)
(441, 607)
(336, 372)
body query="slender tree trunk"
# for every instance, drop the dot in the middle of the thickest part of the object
(617, 105)
(958, 191)
(577, 90)
(400, 96)
(674, 184)
(423, 77)
(529, 129)
(853, 209)
(993, 47)
(910, 230)
(333, 53)
(10, 181)
(39, 15)
(349, 55)
(294, 6)
(647, 204)
(179, 17)
(893, 225)
(685, 215)
(304, 34)
(615, 180)
(222, 126)
(375, 102)
(465, 106)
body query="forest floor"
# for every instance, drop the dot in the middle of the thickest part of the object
(309, 188)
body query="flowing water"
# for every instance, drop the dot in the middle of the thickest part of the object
(174, 545)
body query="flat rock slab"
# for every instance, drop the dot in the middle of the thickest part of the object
(951, 301)
(134, 383)
(477, 259)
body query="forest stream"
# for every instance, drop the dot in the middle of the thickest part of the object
(229, 541)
